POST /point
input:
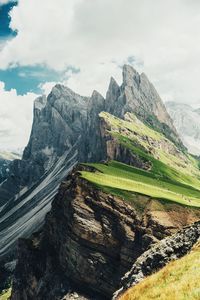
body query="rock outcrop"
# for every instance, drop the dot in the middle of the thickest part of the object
(90, 239)
(159, 255)
(138, 95)
(116, 151)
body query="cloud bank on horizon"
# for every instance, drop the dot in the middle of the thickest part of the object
(87, 41)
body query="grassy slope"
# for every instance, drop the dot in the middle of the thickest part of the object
(172, 177)
(179, 280)
(121, 177)
(5, 294)
(138, 137)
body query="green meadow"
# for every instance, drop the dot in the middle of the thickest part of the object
(121, 177)
(173, 174)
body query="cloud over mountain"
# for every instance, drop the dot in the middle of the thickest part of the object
(15, 118)
(99, 35)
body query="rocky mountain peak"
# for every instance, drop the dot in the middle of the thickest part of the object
(61, 93)
(96, 94)
(112, 96)
(130, 76)
(137, 94)
(40, 103)
(113, 88)
(113, 83)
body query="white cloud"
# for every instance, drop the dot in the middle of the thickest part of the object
(47, 87)
(99, 35)
(90, 34)
(15, 118)
(5, 1)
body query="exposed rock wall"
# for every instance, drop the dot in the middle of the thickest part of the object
(116, 151)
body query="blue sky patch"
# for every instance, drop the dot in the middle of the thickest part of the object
(28, 78)
(25, 78)
(5, 31)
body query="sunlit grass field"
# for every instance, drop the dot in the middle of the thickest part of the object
(172, 175)
(5, 294)
(118, 176)
(140, 139)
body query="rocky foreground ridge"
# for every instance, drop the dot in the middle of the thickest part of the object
(89, 241)
(160, 255)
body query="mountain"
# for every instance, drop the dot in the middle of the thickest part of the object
(66, 130)
(139, 95)
(107, 215)
(187, 122)
(113, 179)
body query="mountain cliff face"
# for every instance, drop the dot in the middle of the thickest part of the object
(89, 241)
(67, 129)
(187, 122)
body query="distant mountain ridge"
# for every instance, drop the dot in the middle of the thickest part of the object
(6, 159)
(187, 122)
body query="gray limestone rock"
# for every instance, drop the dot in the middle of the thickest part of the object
(159, 255)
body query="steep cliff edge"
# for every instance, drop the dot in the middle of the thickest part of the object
(89, 241)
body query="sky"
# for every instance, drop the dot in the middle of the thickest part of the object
(82, 43)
